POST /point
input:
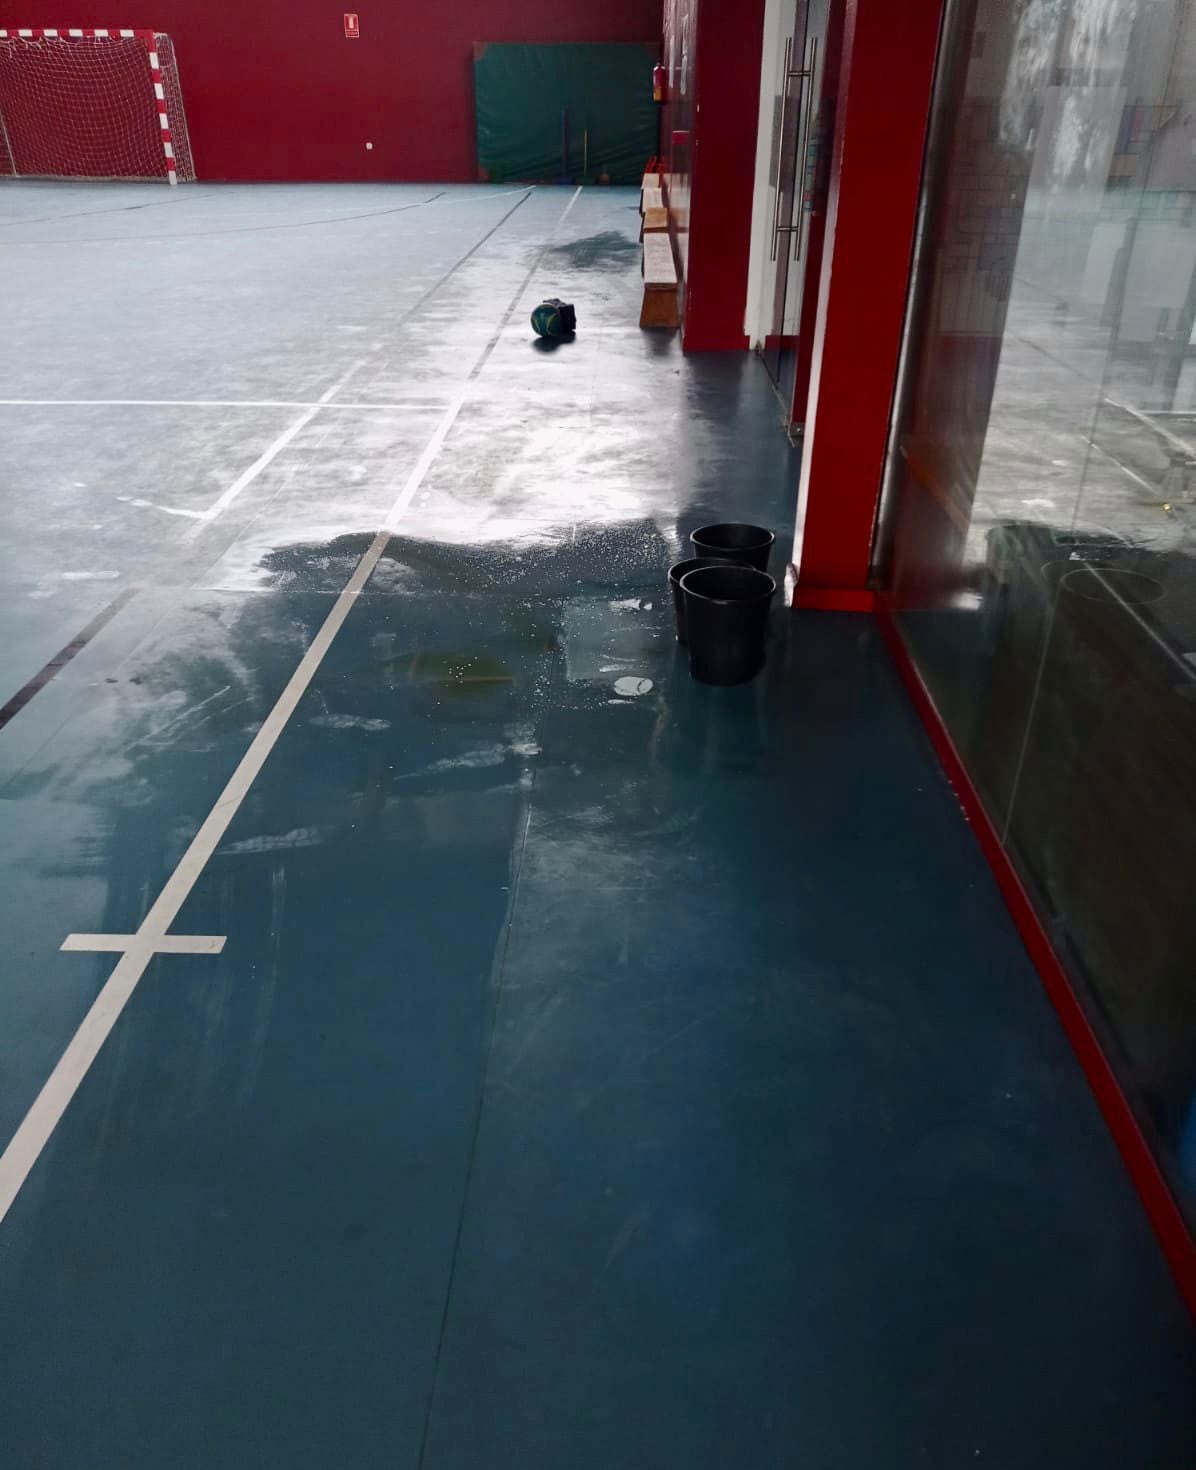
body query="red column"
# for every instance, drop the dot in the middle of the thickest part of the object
(729, 41)
(886, 75)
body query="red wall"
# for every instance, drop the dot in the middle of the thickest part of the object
(729, 42)
(273, 90)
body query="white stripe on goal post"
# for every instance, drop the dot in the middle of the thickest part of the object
(160, 107)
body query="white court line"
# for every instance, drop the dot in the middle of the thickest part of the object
(415, 406)
(219, 506)
(169, 510)
(166, 943)
(1124, 468)
(37, 1126)
(43, 1117)
(478, 198)
(247, 477)
(1135, 413)
(204, 516)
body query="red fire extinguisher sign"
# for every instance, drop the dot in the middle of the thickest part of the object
(352, 26)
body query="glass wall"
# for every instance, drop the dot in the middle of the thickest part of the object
(1036, 536)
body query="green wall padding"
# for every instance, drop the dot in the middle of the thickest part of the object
(521, 91)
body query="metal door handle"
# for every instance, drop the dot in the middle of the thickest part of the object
(803, 75)
(812, 67)
(776, 198)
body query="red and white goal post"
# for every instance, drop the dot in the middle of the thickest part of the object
(91, 104)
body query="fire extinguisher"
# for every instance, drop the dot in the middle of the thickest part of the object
(658, 82)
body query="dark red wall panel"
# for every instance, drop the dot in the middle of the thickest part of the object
(730, 35)
(273, 90)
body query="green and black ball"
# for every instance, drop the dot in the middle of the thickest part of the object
(554, 318)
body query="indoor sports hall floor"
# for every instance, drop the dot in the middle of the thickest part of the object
(553, 1062)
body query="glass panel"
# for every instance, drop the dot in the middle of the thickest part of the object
(677, 118)
(1037, 531)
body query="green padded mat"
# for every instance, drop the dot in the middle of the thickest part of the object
(529, 97)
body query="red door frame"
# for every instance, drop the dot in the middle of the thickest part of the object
(885, 80)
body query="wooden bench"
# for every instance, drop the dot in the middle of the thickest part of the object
(660, 282)
(651, 200)
(655, 220)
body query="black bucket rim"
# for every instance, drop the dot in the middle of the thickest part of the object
(764, 538)
(692, 564)
(740, 570)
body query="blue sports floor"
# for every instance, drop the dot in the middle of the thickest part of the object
(584, 1068)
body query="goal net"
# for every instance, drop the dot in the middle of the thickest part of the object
(91, 104)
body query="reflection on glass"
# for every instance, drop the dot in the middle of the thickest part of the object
(1037, 536)
(677, 117)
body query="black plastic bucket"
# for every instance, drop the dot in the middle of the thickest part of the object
(734, 541)
(726, 622)
(676, 572)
